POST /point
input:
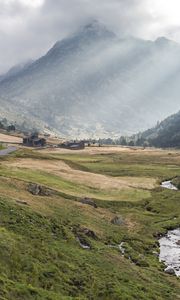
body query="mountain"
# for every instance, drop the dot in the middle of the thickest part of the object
(95, 84)
(16, 69)
(164, 134)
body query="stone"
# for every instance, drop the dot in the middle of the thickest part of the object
(89, 201)
(45, 191)
(34, 188)
(22, 202)
(169, 271)
(118, 220)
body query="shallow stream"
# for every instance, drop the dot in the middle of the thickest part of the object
(170, 251)
(168, 185)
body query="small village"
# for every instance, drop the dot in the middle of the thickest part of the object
(38, 140)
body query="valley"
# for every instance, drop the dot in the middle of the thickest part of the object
(63, 215)
(89, 150)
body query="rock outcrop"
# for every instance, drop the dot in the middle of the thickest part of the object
(38, 190)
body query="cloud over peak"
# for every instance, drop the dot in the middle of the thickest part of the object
(29, 27)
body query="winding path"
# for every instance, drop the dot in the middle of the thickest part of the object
(7, 151)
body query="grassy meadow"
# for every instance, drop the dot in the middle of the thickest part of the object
(41, 256)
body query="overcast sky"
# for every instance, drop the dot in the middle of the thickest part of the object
(28, 28)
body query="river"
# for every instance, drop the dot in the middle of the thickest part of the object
(170, 244)
(168, 185)
(170, 251)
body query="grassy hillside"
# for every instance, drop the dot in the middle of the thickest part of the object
(165, 134)
(41, 256)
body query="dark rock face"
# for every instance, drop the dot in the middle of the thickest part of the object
(89, 201)
(39, 190)
(118, 220)
(83, 243)
(83, 236)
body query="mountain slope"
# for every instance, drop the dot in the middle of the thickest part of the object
(16, 69)
(94, 83)
(54, 247)
(166, 133)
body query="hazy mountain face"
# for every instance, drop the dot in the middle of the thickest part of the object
(15, 70)
(164, 134)
(94, 84)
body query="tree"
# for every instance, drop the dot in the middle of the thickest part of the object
(11, 128)
(123, 141)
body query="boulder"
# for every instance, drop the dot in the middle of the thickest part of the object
(89, 201)
(45, 191)
(169, 271)
(118, 220)
(34, 188)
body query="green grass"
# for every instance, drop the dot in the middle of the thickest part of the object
(74, 189)
(125, 164)
(40, 255)
(2, 146)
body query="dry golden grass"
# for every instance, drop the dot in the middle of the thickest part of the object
(110, 149)
(88, 150)
(98, 181)
(9, 138)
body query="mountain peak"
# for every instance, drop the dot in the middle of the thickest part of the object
(91, 31)
(94, 25)
(97, 28)
(163, 41)
(93, 82)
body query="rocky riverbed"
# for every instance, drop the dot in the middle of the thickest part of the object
(170, 252)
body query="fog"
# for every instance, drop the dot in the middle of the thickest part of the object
(28, 28)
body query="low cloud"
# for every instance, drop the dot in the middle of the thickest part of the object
(28, 28)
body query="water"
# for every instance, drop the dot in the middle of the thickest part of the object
(121, 248)
(168, 185)
(170, 250)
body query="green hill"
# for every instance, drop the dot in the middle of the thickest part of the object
(41, 235)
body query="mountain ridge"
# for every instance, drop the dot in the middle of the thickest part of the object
(95, 84)
(165, 134)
